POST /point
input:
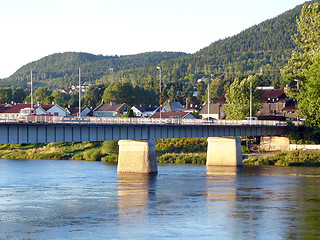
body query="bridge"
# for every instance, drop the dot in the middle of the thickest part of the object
(135, 134)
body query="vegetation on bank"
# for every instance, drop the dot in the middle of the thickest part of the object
(105, 151)
(194, 158)
(288, 158)
(181, 151)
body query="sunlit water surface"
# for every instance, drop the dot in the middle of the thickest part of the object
(89, 200)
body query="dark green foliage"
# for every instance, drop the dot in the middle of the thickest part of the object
(110, 147)
(308, 158)
(93, 96)
(182, 158)
(303, 134)
(186, 145)
(62, 69)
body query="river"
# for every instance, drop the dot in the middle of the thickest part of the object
(43, 199)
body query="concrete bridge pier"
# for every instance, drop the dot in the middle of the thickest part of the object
(137, 156)
(224, 151)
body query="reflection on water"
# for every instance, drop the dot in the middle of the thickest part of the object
(89, 200)
(135, 191)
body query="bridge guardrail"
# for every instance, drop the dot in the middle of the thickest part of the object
(137, 121)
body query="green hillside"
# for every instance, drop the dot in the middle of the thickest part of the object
(261, 49)
(61, 69)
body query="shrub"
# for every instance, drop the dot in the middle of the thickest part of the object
(92, 154)
(110, 147)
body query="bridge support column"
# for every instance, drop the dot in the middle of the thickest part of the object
(137, 156)
(224, 151)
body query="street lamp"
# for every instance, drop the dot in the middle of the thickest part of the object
(159, 68)
(250, 101)
(79, 93)
(296, 80)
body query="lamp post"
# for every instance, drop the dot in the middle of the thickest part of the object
(31, 89)
(208, 99)
(296, 80)
(79, 92)
(159, 68)
(250, 101)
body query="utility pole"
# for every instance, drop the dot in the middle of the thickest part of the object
(159, 68)
(31, 93)
(79, 92)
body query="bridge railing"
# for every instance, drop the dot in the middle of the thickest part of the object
(114, 120)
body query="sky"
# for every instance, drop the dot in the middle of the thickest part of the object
(33, 29)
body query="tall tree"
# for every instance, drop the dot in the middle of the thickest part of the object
(238, 98)
(19, 95)
(303, 66)
(309, 95)
(5, 95)
(93, 96)
(41, 94)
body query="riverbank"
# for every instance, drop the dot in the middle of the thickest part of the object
(286, 158)
(184, 151)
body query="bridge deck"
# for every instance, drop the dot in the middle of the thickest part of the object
(62, 129)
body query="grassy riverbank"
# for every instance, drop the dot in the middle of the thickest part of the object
(287, 158)
(168, 150)
(183, 151)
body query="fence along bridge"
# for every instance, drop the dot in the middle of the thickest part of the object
(136, 149)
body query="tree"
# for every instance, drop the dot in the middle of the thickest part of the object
(93, 96)
(304, 65)
(309, 95)
(5, 95)
(60, 98)
(118, 92)
(238, 98)
(40, 94)
(307, 40)
(19, 95)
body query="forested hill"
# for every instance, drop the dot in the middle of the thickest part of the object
(61, 69)
(263, 48)
(260, 50)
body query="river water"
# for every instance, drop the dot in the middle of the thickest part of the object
(42, 199)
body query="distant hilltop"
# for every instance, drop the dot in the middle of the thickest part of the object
(261, 49)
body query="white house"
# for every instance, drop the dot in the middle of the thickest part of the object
(54, 109)
(144, 112)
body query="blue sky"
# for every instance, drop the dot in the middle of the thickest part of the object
(32, 29)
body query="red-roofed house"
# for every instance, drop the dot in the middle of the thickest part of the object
(13, 110)
(273, 102)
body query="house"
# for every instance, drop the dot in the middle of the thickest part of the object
(273, 101)
(144, 112)
(215, 111)
(54, 110)
(13, 110)
(109, 110)
(274, 105)
(183, 115)
(74, 111)
(290, 111)
(173, 107)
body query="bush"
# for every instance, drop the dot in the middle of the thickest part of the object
(110, 147)
(288, 158)
(195, 158)
(92, 155)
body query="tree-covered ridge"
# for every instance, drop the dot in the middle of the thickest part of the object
(263, 48)
(61, 69)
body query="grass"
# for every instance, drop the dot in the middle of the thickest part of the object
(288, 158)
(182, 158)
